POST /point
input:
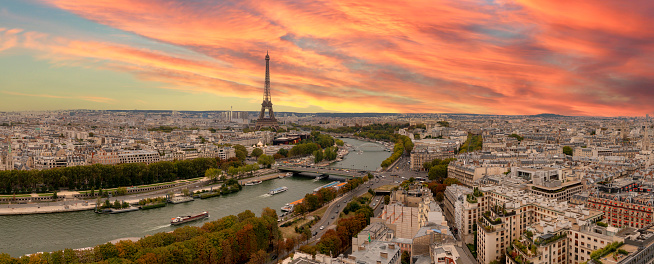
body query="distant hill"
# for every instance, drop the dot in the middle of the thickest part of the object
(547, 115)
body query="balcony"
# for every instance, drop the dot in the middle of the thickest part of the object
(496, 221)
(485, 225)
(516, 256)
(501, 211)
(549, 238)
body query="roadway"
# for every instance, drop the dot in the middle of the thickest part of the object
(330, 217)
(402, 170)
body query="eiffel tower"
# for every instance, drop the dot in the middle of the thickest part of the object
(269, 119)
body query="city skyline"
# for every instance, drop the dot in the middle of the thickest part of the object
(482, 57)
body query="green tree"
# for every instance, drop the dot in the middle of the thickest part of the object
(256, 152)
(121, 191)
(516, 136)
(232, 171)
(427, 165)
(317, 156)
(105, 251)
(450, 181)
(54, 195)
(438, 172)
(387, 199)
(241, 152)
(283, 152)
(212, 174)
(405, 258)
(567, 150)
(266, 160)
(69, 256)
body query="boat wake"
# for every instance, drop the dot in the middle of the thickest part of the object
(157, 227)
(265, 195)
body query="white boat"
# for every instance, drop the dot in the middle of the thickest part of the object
(252, 183)
(288, 208)
(278, 190)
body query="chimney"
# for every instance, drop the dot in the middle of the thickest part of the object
(391, 246)
(383, 254)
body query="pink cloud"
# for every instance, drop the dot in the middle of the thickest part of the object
(506, 57)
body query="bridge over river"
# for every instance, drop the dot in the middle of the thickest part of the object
(324, 171)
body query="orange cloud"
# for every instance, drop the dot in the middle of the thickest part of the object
(96, 99)
(499, 57)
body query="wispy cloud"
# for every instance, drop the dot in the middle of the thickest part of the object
(95, 99)
(505, 56)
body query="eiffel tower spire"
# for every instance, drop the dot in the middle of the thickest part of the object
(267, 120)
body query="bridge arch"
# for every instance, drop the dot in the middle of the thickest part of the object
(371, 147)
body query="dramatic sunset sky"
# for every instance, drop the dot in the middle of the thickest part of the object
(581, 57)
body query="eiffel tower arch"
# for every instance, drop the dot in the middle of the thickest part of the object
(267, 115)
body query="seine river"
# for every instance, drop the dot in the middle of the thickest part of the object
(363, 155)
(26, 234)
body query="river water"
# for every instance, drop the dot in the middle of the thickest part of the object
(363, 155)
(26, 234)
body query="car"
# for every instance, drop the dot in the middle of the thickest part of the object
(333, 217)
(373, 204)
(338, 205)
(322, 227)
(376, 200)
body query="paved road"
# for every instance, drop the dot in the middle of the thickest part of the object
(336, 206)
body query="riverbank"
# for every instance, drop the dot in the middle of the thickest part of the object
(65, 205)
(23, 234)
(74, 206)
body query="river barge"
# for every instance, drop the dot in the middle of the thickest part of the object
(188, 218)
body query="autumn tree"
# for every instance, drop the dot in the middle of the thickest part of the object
(330, 243)
(258, 257)
(269, 212)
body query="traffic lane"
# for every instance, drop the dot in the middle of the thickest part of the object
(327, 222)
(334, 210)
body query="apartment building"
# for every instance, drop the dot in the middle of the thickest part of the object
(454, 195)
(377, 252)
(510, 213)
(468, 173)
(138, 156)
(463, 206)
(624, 209)
(419, 157)
(584, 239)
